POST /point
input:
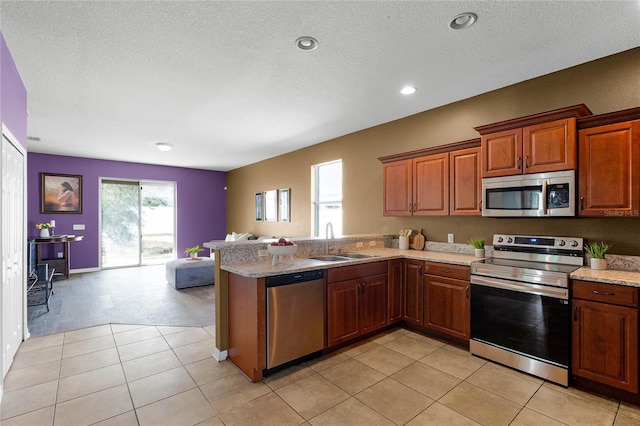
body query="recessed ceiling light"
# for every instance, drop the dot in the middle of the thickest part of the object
(463, 20)
(164, 146)
(408, 90)
(306, 43)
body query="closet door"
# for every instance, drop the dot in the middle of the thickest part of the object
(12, 246)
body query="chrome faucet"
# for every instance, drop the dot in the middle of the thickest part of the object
(326, 233)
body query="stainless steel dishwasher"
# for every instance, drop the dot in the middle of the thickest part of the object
(295, 317)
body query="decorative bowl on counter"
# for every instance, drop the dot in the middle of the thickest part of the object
(279, 251)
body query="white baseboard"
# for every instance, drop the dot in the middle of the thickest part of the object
(83, 270)
(219, 355)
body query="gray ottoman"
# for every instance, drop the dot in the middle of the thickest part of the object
(184, 273)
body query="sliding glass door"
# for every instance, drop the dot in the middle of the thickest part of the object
(137, 222)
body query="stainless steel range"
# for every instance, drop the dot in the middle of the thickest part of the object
(520, 312)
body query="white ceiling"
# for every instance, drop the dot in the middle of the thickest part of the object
(225, 84)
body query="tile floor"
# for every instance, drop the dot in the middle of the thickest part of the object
(158, 375)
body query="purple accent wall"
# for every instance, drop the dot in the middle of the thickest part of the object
(13, 96)
(201, 211)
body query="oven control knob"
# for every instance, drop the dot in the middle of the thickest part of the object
(574, 243)
(561, 243)
(509, 240)
(500, 239)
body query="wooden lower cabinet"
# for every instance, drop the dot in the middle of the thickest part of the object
(395, 279)
(605, 335)
(412, 298)
(357, 302)
(446, 300)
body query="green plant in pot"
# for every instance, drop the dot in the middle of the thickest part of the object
(193, 251)
(478, 245)
(597, 251)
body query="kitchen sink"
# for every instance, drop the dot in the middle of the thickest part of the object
(331, 258)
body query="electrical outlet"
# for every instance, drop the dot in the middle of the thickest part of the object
(359, 244)
(78, 226)
(60, 254)
(450, 238)
(263, 253)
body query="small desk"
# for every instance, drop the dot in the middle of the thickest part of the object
(60, 264)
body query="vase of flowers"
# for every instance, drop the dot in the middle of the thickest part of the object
(44, 229)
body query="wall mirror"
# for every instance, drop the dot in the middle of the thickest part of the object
(271, 205)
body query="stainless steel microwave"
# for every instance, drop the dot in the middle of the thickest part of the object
(536, 195)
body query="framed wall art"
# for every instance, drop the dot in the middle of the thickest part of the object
(60, 193)
(284, 205)
(259, 206)
(271, 206)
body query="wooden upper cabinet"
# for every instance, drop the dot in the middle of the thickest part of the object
(398, 188)
(465, 185)
(431, 185)
(609, 167)
(537, 143)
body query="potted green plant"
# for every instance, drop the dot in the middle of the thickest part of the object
(597, 251)
(478, 245)
(193, 251)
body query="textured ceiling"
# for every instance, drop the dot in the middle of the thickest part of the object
(225, 84)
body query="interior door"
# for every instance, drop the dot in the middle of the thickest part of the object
(13, 253)
(137, 222)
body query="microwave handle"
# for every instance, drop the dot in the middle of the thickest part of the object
(544, 197)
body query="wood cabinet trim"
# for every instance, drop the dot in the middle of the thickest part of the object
(575, 111)
(440, 149)
(630, 114)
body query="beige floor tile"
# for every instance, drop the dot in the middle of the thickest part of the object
(480, 405)
(25, 377)
(352, 376)
(187, 337)
(214, 421)
(87, 333)
(630, 410)
(136, 335)
(427, 380)
(119, 328)
(265, 410)
(453, 362)
(87, 362)
(358, 348)
(388, 336)
(327, 361)
(41, 417)
(568, 408)
(287, 376)
(312, 395)
(599, 400)
(86, 346)
(187, 408)
(385, 360)
(41, 342)
(92, 381)
(528, 417)
(208, 370)
(36, 357)
(622, 420)
(127, 419)
(350, 413)
(94, 407)
(520, 374)
(412, 347)
(505, 384)
(195, 351)
(150, 364)
(431, 340)
(159, 386)
(395, 401)
(232, 391)
(144, 348)
(211, 329)
(24, 400)
(170, 329)
(437, 415)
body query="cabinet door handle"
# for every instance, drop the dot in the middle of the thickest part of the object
(519, 162)
(581, 203)
(480, 205)
(410, 207)
(603, 293)
(467, 291)
(575, 313)
(526, 162)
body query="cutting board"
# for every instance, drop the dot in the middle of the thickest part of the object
(417, 241)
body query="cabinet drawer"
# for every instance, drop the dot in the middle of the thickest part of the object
(606, 293)
(356, 271)
(445, 270)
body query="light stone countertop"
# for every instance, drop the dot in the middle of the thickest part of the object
(608, 276)
(263, 268)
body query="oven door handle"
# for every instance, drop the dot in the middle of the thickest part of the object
(544, 197)
(556, 293)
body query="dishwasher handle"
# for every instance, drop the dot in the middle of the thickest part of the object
(297, 277)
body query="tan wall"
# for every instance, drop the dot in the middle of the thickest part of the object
(605, 85)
